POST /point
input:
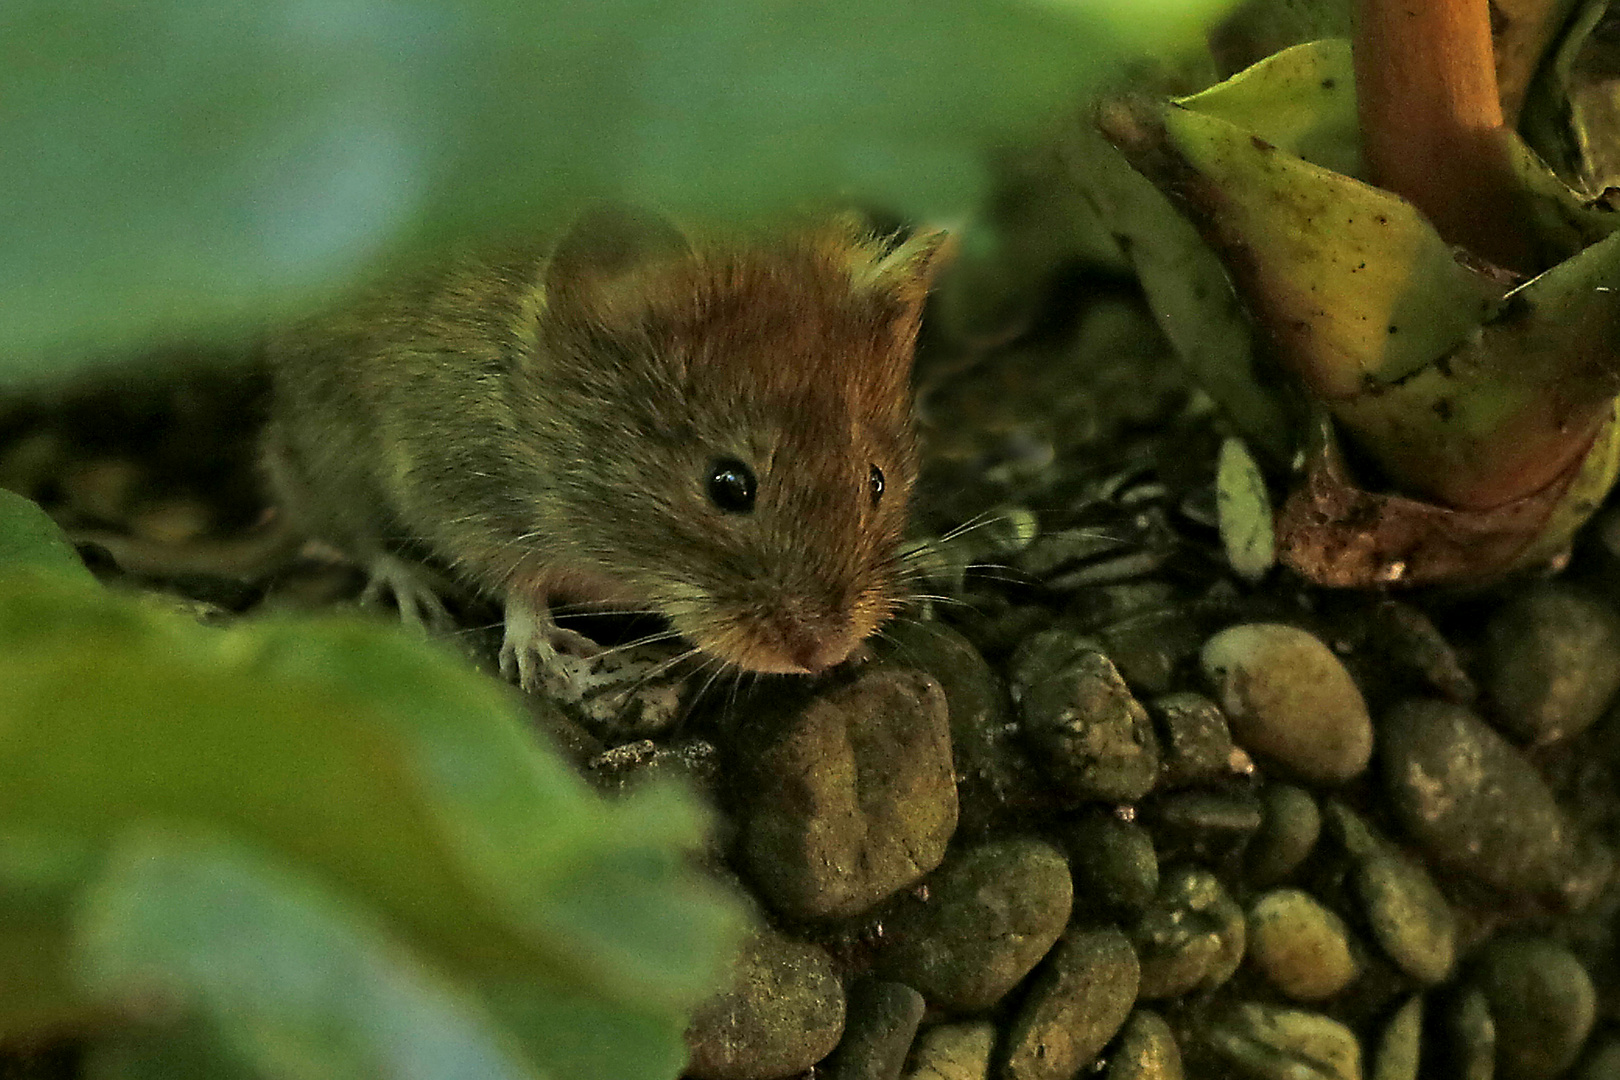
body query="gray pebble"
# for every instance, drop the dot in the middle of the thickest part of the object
(626, 767)
(1104, 605)
(1471, 1038)
(1288, 698)
(992, 768)
(783, 1013)
(1289, 826)
(881, 1021)
(1150, 646)
(1406, 639)
(1086, 730)
(1052, 552)
(1400, 1046)
(1473, 801)
(1409, 916)
(1196, 741)
(1543, 1004)
(1206, 826)
(852, 798)
(1114, 863)
(1271, 1043)
(1301, 946)
(1079, 999)
(1191, 937)
(953, 1052)
(989, 916)
(1147, 1050)
(621, 695)
(1603, 1063)
(1552, 662)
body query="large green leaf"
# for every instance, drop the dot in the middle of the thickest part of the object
(30, 540)
(352, 785)
(193, 164)
(293, 980)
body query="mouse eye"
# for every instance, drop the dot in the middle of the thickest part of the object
(731, 486)
(874, 484)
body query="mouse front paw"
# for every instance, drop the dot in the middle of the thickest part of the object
(419, 605)
(534, 644)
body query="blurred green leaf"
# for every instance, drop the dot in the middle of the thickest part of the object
(293, 980)
(379, 760)
(358, 786)
(197, 164)
(30, 540)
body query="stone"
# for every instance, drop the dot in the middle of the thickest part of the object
(1551, 662)
(851, 798)
(1078, 1001)
(1406, 639)
(1271, 1043)
(1542, 1001)
(1114, 864)
(1147, 1050)
(783, 1013)
(1300, 946)
(990, 914)
(1470, 1047)
(992, 770)
(1603, 1063)
(1472, 800)
(1207, 826)
(1192, 937)
(880, 1022)
(1196, 741)
(1084, 727)
(1149, 647)
(1401, 1044)
(1409, 916)
(1289, 825)
(622, 694)
(953, 1052)
(1289, 699)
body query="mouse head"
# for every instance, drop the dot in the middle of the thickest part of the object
(741, 430)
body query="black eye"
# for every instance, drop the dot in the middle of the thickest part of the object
(731, 486)
(874, 483)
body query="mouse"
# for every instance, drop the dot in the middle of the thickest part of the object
(715, 430)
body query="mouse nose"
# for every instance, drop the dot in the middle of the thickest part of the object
(817, 656)
(816, 646)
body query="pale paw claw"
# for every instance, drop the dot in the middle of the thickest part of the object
(534, 644)
(419, 605)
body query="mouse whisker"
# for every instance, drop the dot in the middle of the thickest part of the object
(977, 521)
(650, 639)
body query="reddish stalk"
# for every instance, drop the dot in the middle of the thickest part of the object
(1431, 121)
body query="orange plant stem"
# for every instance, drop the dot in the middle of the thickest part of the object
(1431, 121)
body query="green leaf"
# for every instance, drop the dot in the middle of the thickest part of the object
(205, 164)
(1302, 100)
(580, 1038)
(294, 981)
(1244, 505)
(1190, 294)
(31, 541)
(373, 767)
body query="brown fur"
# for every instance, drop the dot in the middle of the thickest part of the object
(547, 425)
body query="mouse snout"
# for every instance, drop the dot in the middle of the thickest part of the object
(814, 645)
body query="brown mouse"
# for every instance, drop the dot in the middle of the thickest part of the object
(717, 433)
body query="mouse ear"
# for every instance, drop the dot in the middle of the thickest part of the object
(604, 245)
(902, 267)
